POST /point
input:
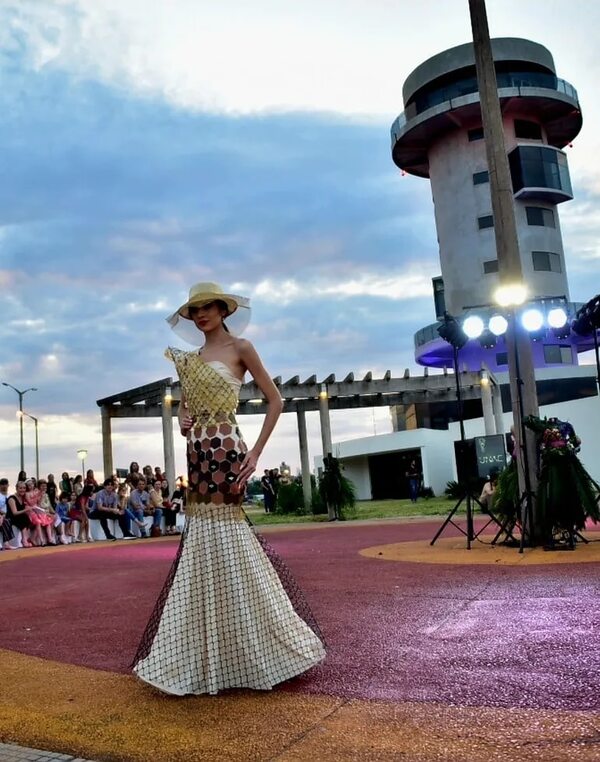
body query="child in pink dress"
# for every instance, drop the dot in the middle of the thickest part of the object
(39, 517)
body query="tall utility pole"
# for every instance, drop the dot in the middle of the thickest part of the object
(520, 360)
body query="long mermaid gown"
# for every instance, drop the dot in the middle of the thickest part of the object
(223, 618)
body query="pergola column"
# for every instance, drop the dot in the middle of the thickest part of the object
(326, 433)
(107, 454)
(489, 422)
(497, 408)
(167, 429)
(304, 458)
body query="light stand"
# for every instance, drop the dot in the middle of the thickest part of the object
(451, 332)
(21, 393)
(526, 500)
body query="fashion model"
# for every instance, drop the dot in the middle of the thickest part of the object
(230, 615)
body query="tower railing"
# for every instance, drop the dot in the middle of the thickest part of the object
(468, 85)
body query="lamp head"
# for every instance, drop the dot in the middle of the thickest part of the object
(511, 294)
(452, 332)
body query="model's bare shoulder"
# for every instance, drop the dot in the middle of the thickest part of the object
(243, 345)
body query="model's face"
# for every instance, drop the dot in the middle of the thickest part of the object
(43, 487)
(3, 489)
(141, 484)
(207, 317)
(164, 485)
(21, 489)
(109, 487)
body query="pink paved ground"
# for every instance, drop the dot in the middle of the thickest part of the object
(523, 636)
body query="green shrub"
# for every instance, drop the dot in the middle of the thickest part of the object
(426, 493)
(290, 499)
(453, 490)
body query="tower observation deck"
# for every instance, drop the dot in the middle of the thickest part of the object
(439, 136)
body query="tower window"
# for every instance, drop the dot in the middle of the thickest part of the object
(546, 261)
(479, 178)
(491, 266)
(487, 221)
(475, 134)
(538, 215)
(527, 130)
(557, 355)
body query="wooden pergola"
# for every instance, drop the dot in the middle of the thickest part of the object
(160, 399)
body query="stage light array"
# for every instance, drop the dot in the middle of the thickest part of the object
(535, 321)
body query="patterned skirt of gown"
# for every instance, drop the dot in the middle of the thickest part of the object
(227, 615)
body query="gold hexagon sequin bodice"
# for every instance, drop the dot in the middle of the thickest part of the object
(210, 398)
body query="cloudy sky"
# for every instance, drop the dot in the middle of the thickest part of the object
(247, 143)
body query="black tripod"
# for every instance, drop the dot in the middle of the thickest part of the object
(466, 497)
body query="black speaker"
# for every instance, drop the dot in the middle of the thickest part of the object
(466, 461)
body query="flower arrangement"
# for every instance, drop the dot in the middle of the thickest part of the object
(558, 437)
(567, 495)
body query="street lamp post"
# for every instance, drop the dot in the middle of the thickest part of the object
(82, 455)
(35, 420)
(21, 394)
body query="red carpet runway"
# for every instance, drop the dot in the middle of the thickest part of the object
(485, 635)
(499, 636)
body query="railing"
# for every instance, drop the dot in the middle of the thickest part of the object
(468, 85)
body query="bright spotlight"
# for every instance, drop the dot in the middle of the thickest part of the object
(498, 325)
(511, 295)
(532, 320)
(473, 326)
(557, 317)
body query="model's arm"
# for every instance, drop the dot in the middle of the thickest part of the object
(252, 363)
(185, 419)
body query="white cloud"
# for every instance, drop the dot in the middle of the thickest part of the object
(349, 56)
(410, 285)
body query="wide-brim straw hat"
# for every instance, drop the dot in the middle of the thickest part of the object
(237, 319)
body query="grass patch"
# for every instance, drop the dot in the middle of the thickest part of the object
(365, 509)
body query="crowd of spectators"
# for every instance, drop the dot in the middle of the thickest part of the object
(49, 513)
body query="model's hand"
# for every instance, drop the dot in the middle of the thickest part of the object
(186, 424)
(247, 469)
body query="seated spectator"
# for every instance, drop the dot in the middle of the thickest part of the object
(66, 483)
(148, 475)
(169, 509)
(39, 516)
(63, 524)
(19, 513)
(127, 514)
(79, 512)
(139, 504)
(90, 480)
(486, 498)
(78, 485)
(52, 490)
(134, 474)
(155, 507)
(6, 531)
(106, 507)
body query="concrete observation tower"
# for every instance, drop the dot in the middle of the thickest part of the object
(439, 136)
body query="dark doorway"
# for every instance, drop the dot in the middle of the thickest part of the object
(388, 474)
